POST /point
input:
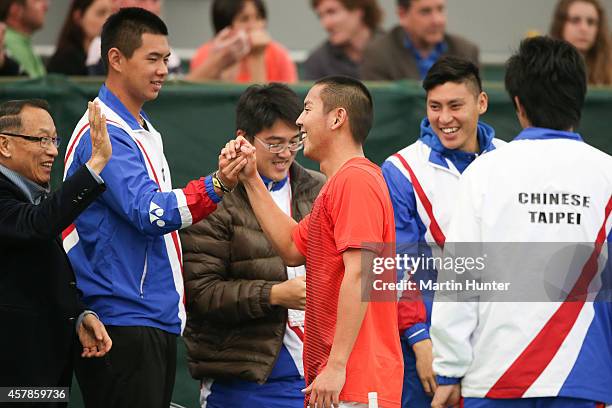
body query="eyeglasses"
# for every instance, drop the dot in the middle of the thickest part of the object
(590, 21)
(44, 141)
(281, 147)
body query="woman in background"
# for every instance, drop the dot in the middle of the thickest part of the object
(242, 50)
(83, 23)
(584, 24)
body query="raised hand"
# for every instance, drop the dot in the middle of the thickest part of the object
(93, 337)
(101, 149)
(233, 158)
(232, 45)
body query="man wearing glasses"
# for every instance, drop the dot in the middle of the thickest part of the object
(40, 307)
(241, 297)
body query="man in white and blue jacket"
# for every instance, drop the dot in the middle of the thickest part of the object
(125, 248)
(422, 180)
(554, 352)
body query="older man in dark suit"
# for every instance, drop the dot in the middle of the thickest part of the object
(40, 311)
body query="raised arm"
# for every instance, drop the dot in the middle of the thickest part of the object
(277, 225)
(23, 221)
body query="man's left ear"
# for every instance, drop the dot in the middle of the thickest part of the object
(339, 118)
(483, 103)
(5, 150)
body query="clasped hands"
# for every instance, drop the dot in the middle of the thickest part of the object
(237, 162)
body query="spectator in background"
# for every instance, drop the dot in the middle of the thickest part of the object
(8, 67)
(23, 18)
(83, 23)
(350, 26)
(94, 61)
(242, 50)
(412, 47)
(584, 24)
(240, 295)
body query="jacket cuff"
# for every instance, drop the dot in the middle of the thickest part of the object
(82, 316)
(94, 174)
(264, 299)
(447, 380)
(416, 333)
(210, 190)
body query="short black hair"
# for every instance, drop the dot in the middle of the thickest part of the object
(223, 12)
(5, 6)
(352, 95)
(260, 106)
(124, 29)
(453, 69)
(549, 78)
(10, 112)
(405, 4)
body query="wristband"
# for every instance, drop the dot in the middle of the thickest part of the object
(219, 184)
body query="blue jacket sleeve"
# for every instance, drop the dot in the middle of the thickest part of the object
(412, 315)
(135, 197)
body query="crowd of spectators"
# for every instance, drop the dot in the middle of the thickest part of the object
(243, 51)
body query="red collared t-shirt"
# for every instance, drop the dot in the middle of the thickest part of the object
(353, 210)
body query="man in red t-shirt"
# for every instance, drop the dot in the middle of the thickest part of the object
(351, 345)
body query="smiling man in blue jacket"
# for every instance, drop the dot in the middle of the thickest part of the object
(422, 180)
(125, 247)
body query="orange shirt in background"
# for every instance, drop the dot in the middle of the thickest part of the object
(353, 210)
(279, 66)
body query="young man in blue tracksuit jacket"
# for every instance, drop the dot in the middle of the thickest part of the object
(422, 180)
(125, 248)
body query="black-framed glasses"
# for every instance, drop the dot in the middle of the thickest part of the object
(293, 146)
(45, 141)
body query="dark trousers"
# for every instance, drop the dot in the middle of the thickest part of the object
(138, 371)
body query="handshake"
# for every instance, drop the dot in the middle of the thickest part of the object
(237, 162)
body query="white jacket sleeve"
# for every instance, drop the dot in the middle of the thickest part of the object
(453, 322)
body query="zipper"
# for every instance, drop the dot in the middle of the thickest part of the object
(142, 279)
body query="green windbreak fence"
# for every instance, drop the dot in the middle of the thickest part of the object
(196, 120)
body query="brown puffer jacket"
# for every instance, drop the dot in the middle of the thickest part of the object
(232, 330)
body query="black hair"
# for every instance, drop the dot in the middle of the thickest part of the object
(260, 106)
(549, 78)
(5, 7)
(10, 112)
(124, 29)
(405, 4)
(453, 69)
(72, 33)
(354, 97)
(224, 11)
